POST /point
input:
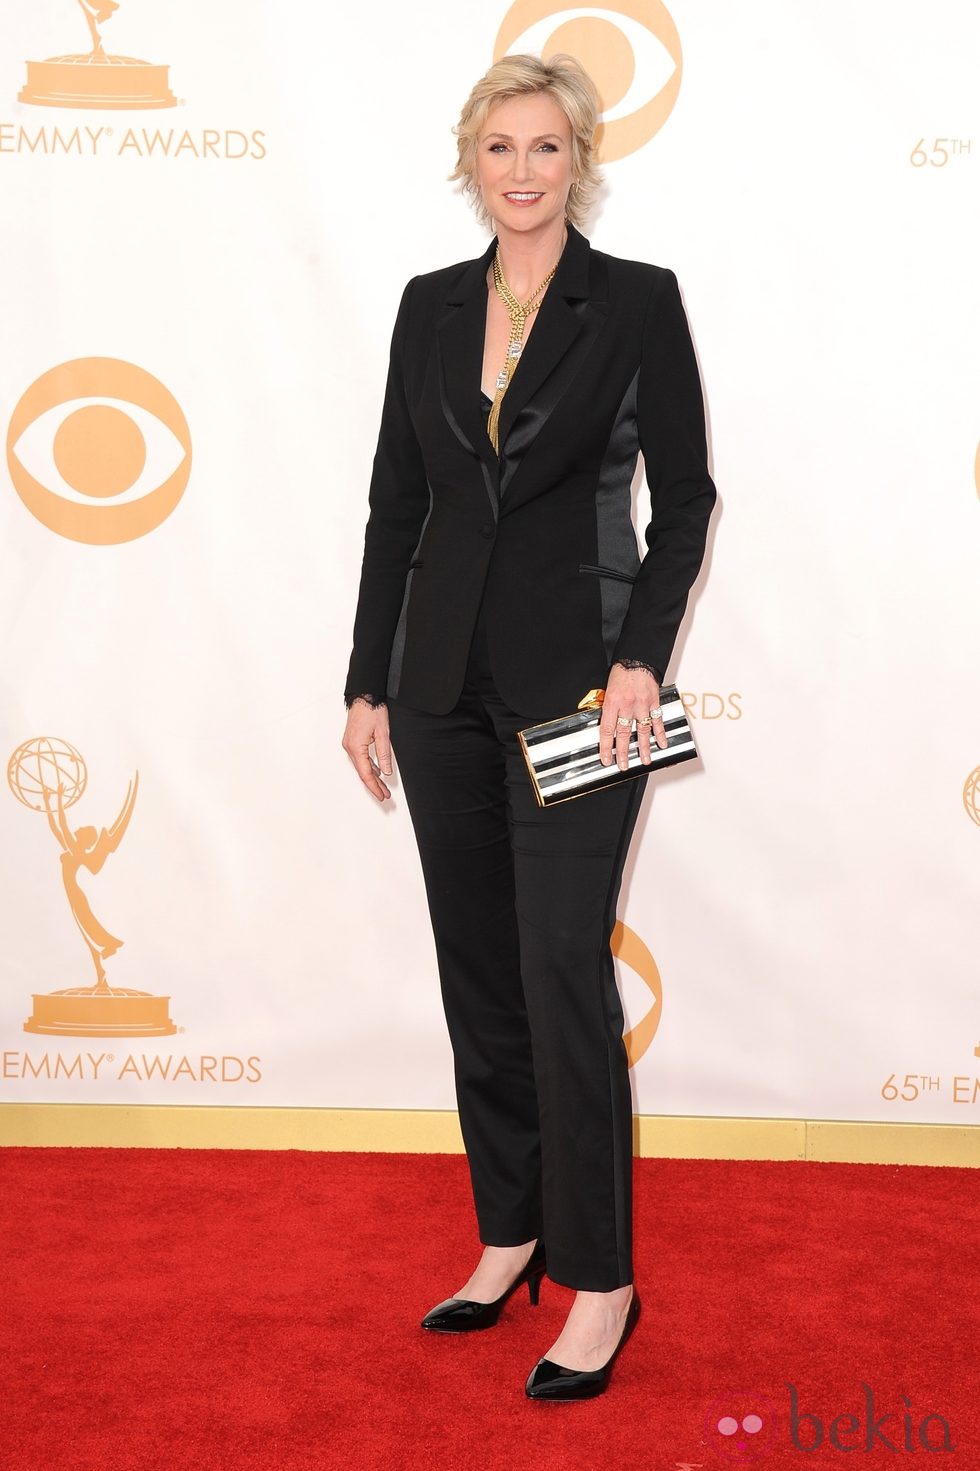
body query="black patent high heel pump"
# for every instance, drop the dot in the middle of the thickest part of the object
(461, 1315)
(551, 1381)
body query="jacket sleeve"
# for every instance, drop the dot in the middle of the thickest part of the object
(670, 421)
(398, 500)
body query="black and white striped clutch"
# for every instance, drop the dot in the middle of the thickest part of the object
(563, 755)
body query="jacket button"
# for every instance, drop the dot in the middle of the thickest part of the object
(486, 531)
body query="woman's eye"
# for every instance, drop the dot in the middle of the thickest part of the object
(550, 147)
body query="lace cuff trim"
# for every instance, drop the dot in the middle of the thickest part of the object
(375, 701)
(640, 664)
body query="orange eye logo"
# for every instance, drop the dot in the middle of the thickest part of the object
(630, 950)
(626, 57)
(112, 467)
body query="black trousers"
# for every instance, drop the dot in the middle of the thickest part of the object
(523, 902)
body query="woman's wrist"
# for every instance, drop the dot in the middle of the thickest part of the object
(375, 701)
(639, 664)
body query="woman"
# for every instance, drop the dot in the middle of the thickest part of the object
(501, 581)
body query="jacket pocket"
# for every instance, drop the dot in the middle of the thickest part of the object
(606, 572)
(415, 562)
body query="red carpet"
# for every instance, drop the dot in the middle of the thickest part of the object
(219, 1309)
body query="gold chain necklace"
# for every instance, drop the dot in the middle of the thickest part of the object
(519, 313)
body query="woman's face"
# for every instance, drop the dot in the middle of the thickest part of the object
(524, 161)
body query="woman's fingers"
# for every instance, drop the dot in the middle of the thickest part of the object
(382, 749)
(608, 732)
(643, 728)
(615, 729)
(648, 729)
(366, 725)
(628, 705)
(370, 773)
(624, 730)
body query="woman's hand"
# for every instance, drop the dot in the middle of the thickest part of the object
(367, 723)
(633, 693)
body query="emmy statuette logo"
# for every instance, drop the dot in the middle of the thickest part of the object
(971, 795)
(97, 78)
(49, 776)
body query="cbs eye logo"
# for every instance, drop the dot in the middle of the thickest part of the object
(625, 57)
(99, 451)
(628, 948)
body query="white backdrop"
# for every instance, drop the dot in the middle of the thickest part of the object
(808, 891)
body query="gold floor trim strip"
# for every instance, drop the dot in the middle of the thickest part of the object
(170, 1126)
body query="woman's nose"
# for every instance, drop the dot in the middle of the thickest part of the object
(523, 168)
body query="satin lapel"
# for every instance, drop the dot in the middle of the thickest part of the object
(460, 334)
(569, 320)
(568, 323)
(552, 335)
(566, 338)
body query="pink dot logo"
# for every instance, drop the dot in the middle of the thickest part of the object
(742, 1424)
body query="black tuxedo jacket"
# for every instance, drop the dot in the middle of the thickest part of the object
(543, 532)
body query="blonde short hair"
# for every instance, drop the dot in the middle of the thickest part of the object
(563, 78)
